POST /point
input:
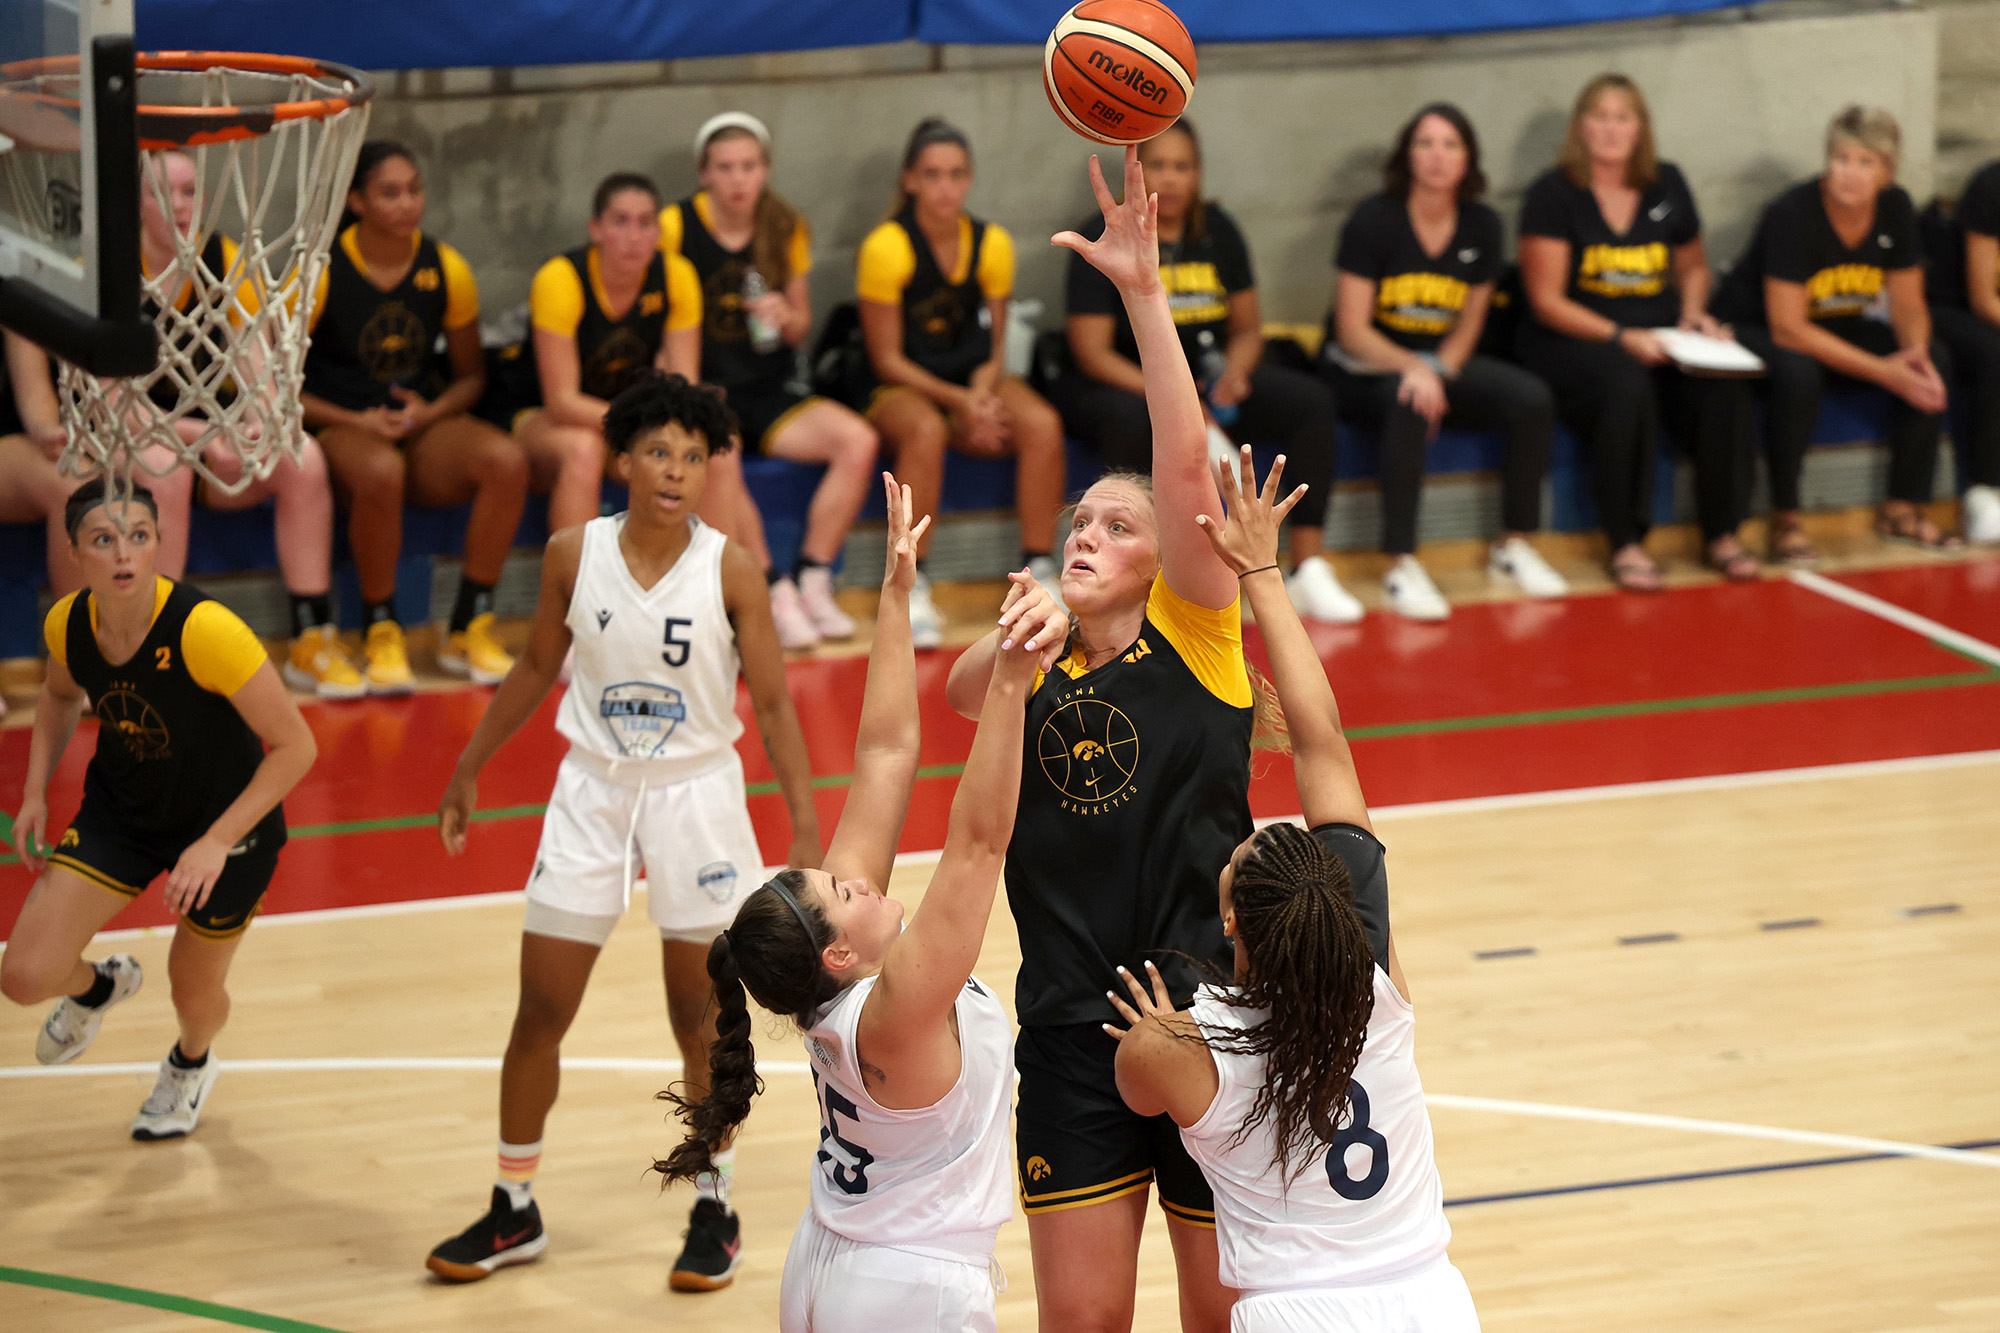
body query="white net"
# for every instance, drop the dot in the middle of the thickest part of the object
(234, 237)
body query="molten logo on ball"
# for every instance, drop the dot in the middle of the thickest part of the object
(1130, 75)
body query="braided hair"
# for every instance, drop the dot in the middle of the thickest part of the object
(1311, 967)
(772, 952)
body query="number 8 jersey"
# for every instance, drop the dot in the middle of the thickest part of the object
(654, 680)
(936, 1180)
(1367, 1208)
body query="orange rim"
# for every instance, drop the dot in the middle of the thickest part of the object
(165, 127)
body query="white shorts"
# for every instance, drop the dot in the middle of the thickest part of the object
(691, 839)
(836, 1285)
(1434, 1300)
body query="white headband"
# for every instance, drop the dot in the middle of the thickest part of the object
(731, 120)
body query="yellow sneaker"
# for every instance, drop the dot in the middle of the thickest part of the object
(319, 666)
(474, 653)
(388, 660)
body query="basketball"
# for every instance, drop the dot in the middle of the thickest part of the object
(1119, 71)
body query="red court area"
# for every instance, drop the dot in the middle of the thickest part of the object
(1506, 697)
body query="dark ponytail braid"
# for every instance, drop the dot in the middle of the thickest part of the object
(1311, 967)
(770, 953)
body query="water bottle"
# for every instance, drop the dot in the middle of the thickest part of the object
(764, 335)
(1212, 366)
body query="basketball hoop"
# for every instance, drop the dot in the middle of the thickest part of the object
(273, 141)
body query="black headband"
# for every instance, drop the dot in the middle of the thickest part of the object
(797, 910)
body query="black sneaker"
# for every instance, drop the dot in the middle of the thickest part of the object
(502, 1237)
(714, 1248)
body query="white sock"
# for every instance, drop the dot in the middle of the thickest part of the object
(716, 1184)
(518, 1164)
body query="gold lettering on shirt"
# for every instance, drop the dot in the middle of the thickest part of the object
(1623, 270)
(1843, 291)
(1419, 302)
(1195, 293)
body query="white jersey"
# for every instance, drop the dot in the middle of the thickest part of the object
(652, 692)
(932, 1181)
(1369, 1208)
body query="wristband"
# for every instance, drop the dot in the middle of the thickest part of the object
(1248, 572)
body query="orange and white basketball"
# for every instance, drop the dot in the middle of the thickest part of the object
(1119, 71)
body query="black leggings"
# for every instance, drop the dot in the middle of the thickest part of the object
(1288, 407)
(1487, 393)
(1618, 409)
(1975, 354)
(1791, 395)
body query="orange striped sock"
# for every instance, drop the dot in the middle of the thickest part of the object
(518, 1164)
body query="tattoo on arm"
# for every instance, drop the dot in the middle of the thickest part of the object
(873, 1072)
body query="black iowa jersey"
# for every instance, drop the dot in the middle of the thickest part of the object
(365, 340)
(728, 357)
(943, 328)
(171, 754)
(614, 352)
(1135, 785)
(217, 254)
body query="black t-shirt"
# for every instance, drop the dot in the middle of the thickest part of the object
(1418, 297)
(1794, 242)
(1978, 212)
(1200, 277)
(1363, 855)
(1626, 277)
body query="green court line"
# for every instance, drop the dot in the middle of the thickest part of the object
(159, 1300)
(1857, 689)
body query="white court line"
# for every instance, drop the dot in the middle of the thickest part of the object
(1896, 615)
(1448, 1101)
(1413, 810)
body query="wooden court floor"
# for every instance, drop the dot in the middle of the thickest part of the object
(311, 1194)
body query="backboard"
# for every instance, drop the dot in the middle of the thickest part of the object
(69, 183)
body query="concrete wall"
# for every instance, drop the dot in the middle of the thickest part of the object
(1294, 133)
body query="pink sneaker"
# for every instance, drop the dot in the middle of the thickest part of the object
(816, 596)
(795, 627)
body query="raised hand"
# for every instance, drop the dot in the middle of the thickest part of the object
(1032, 621)
(901, 570)
(1128, 252)
(1248, 539)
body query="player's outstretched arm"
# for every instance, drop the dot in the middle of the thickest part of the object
(747, 599)
(516, 698)
(1247, 544)
(1128, 253)
(891, 735)
(903, 1034)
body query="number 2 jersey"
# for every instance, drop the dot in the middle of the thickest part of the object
(653, 685)
(936, 1180)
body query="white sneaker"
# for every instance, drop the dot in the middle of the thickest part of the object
(71, 1027)
(926, 626)
(1515, 559)
(795, 628)
(1411, 593)
(816, 596)
(1317, 595)
(1049, 574)
(177, 1100)
(1982, 515)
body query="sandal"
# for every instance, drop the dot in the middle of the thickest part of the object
(1790, 545)
(1727, 556)
(1634, 571)
(1907, 526)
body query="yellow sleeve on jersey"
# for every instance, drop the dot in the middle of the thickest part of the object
(1209, 641)
(996, 263)
(318, 302)
(885, 265)
(683, 294)
(799, 254)
(461, 293)
(671, 228)
(555, 298)
(220, 651)
(55, 630)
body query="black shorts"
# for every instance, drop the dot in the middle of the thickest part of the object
(125, 862)
(1077, 1143)
(761, 412)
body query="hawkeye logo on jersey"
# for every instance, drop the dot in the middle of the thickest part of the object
(1038, 1169)
(652, 303)
(641, 715)
(427, 280)
(1089, 750)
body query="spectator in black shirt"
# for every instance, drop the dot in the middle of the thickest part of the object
(1832, 284)
(1206, 268)
(1964, 288)
(1416, 266)
(1610, 251)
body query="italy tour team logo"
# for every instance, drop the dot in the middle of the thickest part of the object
(1089, 750)
(641, 715)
